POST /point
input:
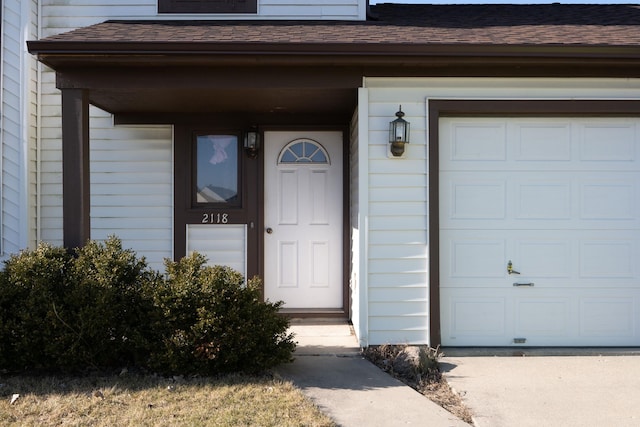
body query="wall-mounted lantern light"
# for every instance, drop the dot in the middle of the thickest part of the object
(398, 134)
(252, 143)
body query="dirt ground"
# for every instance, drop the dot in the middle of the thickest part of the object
(418, 368)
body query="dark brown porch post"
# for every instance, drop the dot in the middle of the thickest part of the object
(75, 167)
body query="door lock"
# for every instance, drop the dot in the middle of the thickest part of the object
(510, 269)
(269, 230)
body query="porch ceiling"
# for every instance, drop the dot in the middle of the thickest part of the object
(257, 103)
(233, 100)
(160, 90)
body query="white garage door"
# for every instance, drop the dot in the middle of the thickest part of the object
(557, 197)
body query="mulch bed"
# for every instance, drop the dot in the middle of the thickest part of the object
(418, 368)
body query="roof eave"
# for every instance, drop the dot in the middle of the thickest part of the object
(65, 54)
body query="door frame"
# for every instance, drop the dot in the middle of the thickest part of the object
(344, 312)
(437, 108)
(184, 210)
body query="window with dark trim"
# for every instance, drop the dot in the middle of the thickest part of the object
(214, 157)
(207, 6)
(217, 169)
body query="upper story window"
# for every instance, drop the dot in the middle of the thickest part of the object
(207, 6)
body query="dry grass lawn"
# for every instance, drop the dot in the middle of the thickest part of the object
(134, 400)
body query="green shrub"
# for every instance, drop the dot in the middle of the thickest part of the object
(33, 286)
(213, 323)
(103, 307)
(64, 312)
(108, 307)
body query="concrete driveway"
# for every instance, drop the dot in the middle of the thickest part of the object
(595, 390)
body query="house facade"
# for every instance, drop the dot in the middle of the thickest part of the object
(257, 133)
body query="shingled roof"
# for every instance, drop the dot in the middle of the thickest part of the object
(315, 66)
(491, 24)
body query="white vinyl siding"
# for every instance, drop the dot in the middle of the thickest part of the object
(132, 186)
(50, 161)
(397, 270)
(64, 15)
(32, 118)
(327, 9)
(221, 244)
(398, 206)
(131, 166)
(17, 170)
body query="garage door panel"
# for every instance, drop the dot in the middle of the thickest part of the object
(534, 144)
(564, 200)
(544, 258)
(607, 317)
(480, 316)
(483, 255)
(474, 140)
(542, 141)
(543, 200)
(609, 199)
(477, 259)
(563, 258)
(561, 202)
(535, 317)
(605, 142)
(477, 199)
(608, 259)
(475, 317)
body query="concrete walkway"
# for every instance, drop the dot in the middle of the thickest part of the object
(352, 391)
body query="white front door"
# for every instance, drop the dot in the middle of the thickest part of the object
(560, 199)
(303, 219)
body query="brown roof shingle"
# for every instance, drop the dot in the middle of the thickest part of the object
(546, 24)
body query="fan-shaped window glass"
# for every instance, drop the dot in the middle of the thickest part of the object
(303, 151)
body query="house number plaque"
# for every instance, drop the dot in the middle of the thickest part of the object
(215, 218)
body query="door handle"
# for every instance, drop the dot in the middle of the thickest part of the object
(269, 230)
(519, 284)
(510, 269)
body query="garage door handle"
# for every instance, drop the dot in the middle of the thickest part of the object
(510, 269)
(523, 284)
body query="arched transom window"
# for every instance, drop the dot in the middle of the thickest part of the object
(303, 151)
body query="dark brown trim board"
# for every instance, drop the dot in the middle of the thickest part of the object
(76, 195)
(488, 108)
(207, 6)
(346, 221)
(186, 211)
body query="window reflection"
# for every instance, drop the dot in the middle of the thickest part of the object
(217, 168)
